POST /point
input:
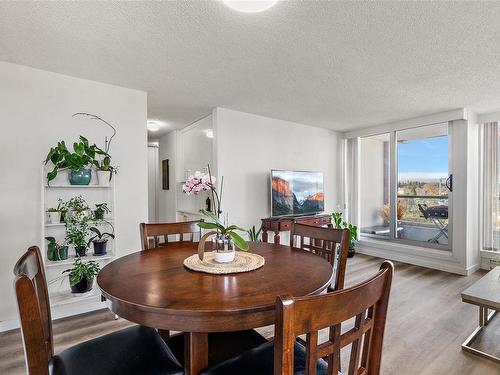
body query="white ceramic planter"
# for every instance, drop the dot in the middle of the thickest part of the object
(54, 217)
(224, 256)
(103, 178)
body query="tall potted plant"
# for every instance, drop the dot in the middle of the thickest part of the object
(81, 276)
(339, 223)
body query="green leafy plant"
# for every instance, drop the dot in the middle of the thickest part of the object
(337, 220)
(101, 210)
(82, 270)
(254, 234)
(353, 234)
(104, 164)
(339, 223)
(77, 204)
(216, 224)
(55, 250)
(77, 230)
(100, 237)
(61, 207)
(83, 156)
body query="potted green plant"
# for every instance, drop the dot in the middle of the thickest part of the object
(100, 241)
(101, 209)
(104, 168)
(78, 162)
(57, 214)
(339, 223)
(77, 230)
(54, 215)
(81, 276)
(77, 206)
(56, 251)
(253, 234)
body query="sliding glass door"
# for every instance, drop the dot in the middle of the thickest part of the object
(423, 184)
(405, 185)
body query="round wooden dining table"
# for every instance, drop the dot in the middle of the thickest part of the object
(154, 288)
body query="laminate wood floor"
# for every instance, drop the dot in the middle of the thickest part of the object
(426, 326)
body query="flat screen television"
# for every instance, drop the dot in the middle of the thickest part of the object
(296, 193)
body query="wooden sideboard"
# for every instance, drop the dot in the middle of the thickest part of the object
(284, 224)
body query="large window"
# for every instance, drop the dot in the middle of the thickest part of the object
(405, 185)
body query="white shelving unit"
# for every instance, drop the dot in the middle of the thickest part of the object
(59, 289)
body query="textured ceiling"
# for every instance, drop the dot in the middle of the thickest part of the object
(331, 64)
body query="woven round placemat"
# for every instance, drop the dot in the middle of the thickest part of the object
(243, 262)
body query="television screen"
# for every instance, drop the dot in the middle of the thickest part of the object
(296, 193)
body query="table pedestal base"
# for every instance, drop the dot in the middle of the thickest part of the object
(484, 319)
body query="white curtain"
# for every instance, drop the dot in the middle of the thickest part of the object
(352, 180)
(491, 209)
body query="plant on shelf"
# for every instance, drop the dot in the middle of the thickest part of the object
(254, 234)
(56, 251)
(100, 240)
(77, 230)
(79, 162)
(226, 238)
(81, 276)
(339, 223)
(101, 209)
(77, 206)
(105, 170)
(57, 214)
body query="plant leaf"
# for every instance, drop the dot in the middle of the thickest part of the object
(238, 241)
(211, 216)
(206, 225)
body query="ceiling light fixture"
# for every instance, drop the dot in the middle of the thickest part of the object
(153, 126)
(209, 133)
(250, 6)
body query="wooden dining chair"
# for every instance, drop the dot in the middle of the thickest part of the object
(366, 302)
(329, 243)
(133, 350)
(156, 235)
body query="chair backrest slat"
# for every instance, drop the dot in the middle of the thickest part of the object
(156, 232)
(32, 295)
(329, 243)
(366, 302)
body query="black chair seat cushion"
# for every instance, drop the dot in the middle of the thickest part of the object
(260, 361)
(134, 350)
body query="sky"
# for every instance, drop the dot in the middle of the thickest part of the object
(423, 159)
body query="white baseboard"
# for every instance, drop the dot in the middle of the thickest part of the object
(441, 260)
(57, 313)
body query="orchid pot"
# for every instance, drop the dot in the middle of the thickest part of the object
(223, 248)
(104, 177)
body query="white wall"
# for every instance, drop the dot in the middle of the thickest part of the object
(249, 146)
(35, 112)
(167, 201)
